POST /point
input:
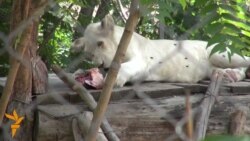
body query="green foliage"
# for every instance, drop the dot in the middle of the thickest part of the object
(5, 10)
(224, 22)
(227, 138)
(55, 35)
(177, 17)
(230, 27)
(56, 50)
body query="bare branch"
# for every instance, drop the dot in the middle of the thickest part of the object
(120, 10)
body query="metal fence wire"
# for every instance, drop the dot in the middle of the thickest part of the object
(140, 111)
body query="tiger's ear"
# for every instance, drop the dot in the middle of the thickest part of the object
(108, 23)
(78, 45)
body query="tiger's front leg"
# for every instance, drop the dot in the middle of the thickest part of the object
(130, 71)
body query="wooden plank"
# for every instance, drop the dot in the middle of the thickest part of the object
(135, 120)
(57, 86)
(142, 129)
(237, 122)
(241, 87)
(247, 80)
(154, 89)
(117, 94)
(193, 87)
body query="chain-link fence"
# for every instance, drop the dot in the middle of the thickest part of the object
(138, 111)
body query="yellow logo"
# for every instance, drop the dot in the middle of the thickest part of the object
(17, 123)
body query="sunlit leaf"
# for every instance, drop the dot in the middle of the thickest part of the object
(201, 2)
(229, 8)
(231, 17)
(229, 55)
(183, 3)
(235, 50)
(235, 40)
(232, 27)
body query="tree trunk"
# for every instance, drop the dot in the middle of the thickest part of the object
(23, 82)
(85, 17)
(103, 9)
(25, 79)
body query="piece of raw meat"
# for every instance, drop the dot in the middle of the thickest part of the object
(91, 78)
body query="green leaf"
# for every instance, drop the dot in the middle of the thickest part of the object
(232, 27)
(246, 33)
(228, 31)
(209, 8)
(235, 40)
(210, 17)
(246, 40)
(146, 2)
(231, 17)
(229, 55)
(218, 48)
(201, 2)
(229, 8)
(218, 38)
(234, 50)
(183, 3)
(213, 29)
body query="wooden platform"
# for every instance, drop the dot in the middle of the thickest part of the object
(132, 118)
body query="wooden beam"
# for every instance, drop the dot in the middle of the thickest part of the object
(206, 105)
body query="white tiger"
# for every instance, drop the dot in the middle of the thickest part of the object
(156, 60)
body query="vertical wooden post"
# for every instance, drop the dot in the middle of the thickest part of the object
(237, 122)
(206, 105)
(189, 125)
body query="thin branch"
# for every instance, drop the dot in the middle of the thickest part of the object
(120, 10)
